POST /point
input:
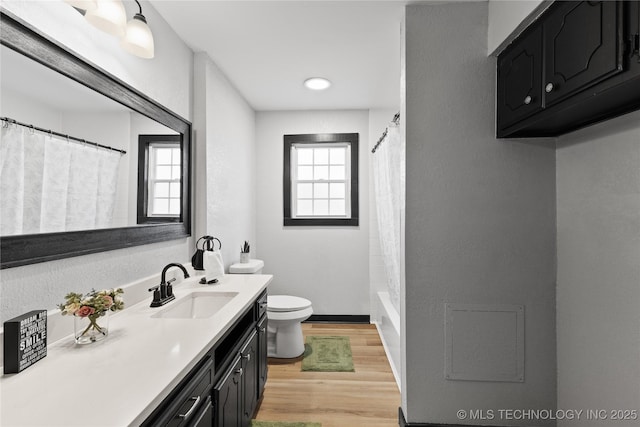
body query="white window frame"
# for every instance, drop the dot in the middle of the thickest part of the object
(152, 180)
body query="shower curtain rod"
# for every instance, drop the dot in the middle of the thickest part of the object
(396, 120)
(8, 121)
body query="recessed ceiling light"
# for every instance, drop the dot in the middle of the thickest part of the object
(317, 83)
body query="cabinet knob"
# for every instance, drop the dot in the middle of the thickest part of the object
(527, 100)
(247, 356)
(549, 87)
(239, 371)
(262, 330)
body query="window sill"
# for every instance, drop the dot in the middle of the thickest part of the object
(346, 222)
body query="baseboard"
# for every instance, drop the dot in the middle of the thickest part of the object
(338, 318)
(403, 423)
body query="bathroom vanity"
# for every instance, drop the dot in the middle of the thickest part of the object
(194, 362)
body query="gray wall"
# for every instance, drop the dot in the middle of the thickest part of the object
(598, 301)
(480, 218)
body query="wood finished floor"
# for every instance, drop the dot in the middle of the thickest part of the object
(367, 397)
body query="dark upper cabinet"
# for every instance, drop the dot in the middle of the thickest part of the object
(520, 79)
(582, 46)
(576, 65)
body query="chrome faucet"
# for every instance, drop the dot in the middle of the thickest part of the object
(163, 293)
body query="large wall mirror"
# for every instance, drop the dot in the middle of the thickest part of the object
(70, 156)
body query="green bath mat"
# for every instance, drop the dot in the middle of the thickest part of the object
(327, 354)
(256, 423)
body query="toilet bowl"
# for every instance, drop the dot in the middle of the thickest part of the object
(285, 314)
(284, 330)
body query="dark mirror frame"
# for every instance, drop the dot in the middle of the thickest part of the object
(35, 248)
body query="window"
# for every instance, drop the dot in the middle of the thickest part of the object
(321, 179)
(159, 178)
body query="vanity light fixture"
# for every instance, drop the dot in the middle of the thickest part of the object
(317, 83)
(109, 16)
(138, 39)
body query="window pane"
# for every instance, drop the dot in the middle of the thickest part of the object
(163, 172)
(321, 207)
(161, 189)
(305, 156)
(176, 156)
(320, 172)
(175, 189)
(174, 206)
(336, 207)
(336, 172)
(336, 190)
(305, 207)
(305, 172)
(175, 172)
(160, 206)
(337, 156)
(163, 156)
(305, 191)
(321, 191)
(321, 156)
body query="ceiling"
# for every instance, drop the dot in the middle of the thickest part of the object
(268, 48)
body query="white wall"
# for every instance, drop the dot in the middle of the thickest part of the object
(480, 219)
(225, 138)
(598, 307)
(327, 265)
(506, 20)
(168, 79)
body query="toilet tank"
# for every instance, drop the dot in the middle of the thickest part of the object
(254, 266)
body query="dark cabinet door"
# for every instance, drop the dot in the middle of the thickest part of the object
(249, 357)
(519, 80)
(227, 395)
(262, 355)
(583, 45)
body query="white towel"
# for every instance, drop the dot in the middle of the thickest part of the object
(213, 265)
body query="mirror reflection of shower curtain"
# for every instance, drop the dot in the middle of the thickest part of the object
(389, 184)
(48, 184)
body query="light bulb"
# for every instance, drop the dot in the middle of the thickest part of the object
(109, 16)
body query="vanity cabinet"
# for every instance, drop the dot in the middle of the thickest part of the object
(576, 65)
(225, 387)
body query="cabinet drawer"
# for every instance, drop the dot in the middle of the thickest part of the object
(193, 396)
(261, 305)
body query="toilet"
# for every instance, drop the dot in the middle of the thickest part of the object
(285, 313)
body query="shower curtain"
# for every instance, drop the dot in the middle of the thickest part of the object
(389, 188)
(48, 184)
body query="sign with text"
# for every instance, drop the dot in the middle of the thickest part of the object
(25, 341)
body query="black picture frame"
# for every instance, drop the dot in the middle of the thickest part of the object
(28, 249)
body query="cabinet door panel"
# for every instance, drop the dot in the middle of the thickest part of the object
(227, 397)
(582, 45)
(262, 355)
(249, 355)
(519, 80)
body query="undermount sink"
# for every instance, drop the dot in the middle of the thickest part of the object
(197, 305)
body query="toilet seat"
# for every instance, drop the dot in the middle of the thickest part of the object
(286, 303)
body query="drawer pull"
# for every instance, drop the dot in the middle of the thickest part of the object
(196, 400)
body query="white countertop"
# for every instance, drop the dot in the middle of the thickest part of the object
(119, 381)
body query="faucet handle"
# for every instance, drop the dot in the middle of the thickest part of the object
(169, 287)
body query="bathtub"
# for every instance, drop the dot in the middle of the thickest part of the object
(388, 325)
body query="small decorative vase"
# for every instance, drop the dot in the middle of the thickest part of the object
(92, 328)
(244, 257)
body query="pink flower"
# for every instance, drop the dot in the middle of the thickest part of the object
(108, 301)
(85, 311)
